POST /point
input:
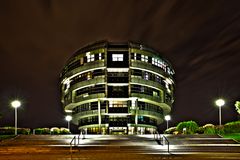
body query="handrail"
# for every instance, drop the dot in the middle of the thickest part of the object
(73, 140)
(162, 139)
(76, 140)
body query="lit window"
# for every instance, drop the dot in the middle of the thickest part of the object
(155, 94)
(89, 75)
(146, 76)
(117, 57)
(144, 58)
(90, 58)
(100, 56)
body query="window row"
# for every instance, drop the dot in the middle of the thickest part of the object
(145, 90)
(148, 76)
(88, 58)
(147, 120)
(117, 121)
(91, 90)
(89, 106)
(149, 107)
(87, 76)
(154, 61)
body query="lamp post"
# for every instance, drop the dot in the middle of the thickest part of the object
(68, 119)
(15, 104)
(167, 118)
(220, 103)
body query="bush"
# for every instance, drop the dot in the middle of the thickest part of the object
(64, 131)
(42, 131)
(11, 130)
(232, 127)
(200, 130)
(170, 130)
(55, 130)
(7, 130)
(191, 127)
(209, 129)
(25, 131)
(219, 130)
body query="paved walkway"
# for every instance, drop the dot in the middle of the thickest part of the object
(52, 147)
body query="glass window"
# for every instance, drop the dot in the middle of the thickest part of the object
(155, 94)
(117, 57)
(90, 58)
(144, 58)
(146, 76)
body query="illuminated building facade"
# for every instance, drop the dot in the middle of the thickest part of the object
(117, 88)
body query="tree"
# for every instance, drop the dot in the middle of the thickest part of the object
(237, 105)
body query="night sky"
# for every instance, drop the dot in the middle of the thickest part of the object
(200, 38)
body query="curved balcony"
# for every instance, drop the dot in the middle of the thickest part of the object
(150, 114)
(144, 96)
(87, 113)
(87, 66)
(147, 83)
(149, 67)
(90, 97)
(95, 80)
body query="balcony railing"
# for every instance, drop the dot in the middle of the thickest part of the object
(88, 113)
(156, 99)
(147, 82)
(95, 80)
(87, 66)
(148, 66)
(150, 113)
(92, 96)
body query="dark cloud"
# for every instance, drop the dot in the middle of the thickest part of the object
(200, 38)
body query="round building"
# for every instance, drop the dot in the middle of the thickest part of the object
(117, 88)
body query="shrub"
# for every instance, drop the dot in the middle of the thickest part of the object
(191, 127)
(7, 130)
(55, 130)
(64, 131)
(209, 129)
(11, 130)
(170, 130)
(200, 130)
(219, 130)
(24, 131)
(232, 127)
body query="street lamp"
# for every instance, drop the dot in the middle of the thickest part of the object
(167, 118)
(15, 104)
(220, 103)
(68, 119)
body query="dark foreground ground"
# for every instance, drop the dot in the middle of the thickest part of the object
(97, 147)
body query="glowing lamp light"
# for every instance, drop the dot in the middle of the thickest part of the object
(16, 104)
(68, 118)
(167, 117)
(220, 102)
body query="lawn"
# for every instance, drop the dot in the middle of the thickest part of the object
(2, 137)
(235, 136)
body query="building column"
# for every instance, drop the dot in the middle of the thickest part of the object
(99, 116)
(136, 116)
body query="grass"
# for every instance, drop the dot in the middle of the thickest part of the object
(2, 137)
(235, 136)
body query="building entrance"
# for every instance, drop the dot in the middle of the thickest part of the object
(118, 130)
